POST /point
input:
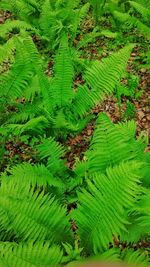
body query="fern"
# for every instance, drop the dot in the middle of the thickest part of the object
(132, 21)
(52, 215)
(10, 25)
(62, 83)
(31, 214)
(29, 254)
(98, 80)
(24, 10)
(96, 215)
(112, 148)
(52, 151)
(145, 13)
(46, 18)
(35, 126)
(60, 106)
(142, 208)
(34, 175)
(91, 37)
(98, 8)
(78, 18)
(27, 111)
(63, 107)
(48, 26)
(109, 146)
(102, 79)
(17, 79)
(135, 257)
(7, 49)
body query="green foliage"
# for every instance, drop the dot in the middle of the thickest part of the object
(52, 214)
(98, 8)
(109, 146)
(135, 257)
(130, 92)
(101, 79)
(34, 174)
(30, 214)
(96, 215)
(109, 200)
(114, 161)
(52, 152)
(47, 19)
(29, 254)
(128, 18)
(62, 82)
(145, 13)
(53, 104)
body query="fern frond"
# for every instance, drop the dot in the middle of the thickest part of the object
(145, 12)
(9, 25)
(47, 11)
(32, 214)
(26, 70)
(144, 3)
(84, 100)
(109, 34)
(61, 85)
(91, 37)
(70, 4)
(31, 49)
(33, 89)
(34, 175)
(109, 256)
(52, 151)
(25, 112)
(29, 254)
(98, 8)
(17, 79)
(135, 257)
(102, 208)
(35, 126)
(79, 16)
(104, 76)
(108, 146)
(143, 209)
(102, 79)
(134, 232)
(132, 21)
(7, 49)
(12, 6)
(128, 129)
(20, 8)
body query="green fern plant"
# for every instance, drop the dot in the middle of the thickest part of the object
(130, 20)
(40, 223)
(112, 201)
(29, 254)
(30, 214)
(52, 105)
(98, 8)
(109, 146)
(96, 215)
(114, 155)
(45, 19)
